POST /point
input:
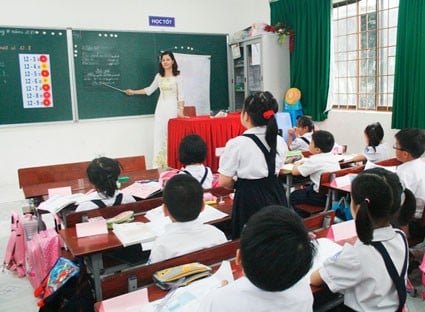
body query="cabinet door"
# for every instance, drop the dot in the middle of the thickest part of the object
(239, 76)
(254, 76)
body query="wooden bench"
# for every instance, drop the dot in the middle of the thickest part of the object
(325, 179)
(139, 207)
(314, 223)
(389, 162)
(72, 171)
(117, 284)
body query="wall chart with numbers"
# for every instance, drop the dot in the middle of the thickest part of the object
(34, 76)
(36, 80)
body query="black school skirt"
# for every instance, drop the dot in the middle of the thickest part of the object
(251, 196)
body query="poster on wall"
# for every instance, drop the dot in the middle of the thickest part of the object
(36, 80)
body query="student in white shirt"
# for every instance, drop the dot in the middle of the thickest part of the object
(376, 150)
(321, 160)
(302, 132)
(409, 148)
(103, 173)
(363, 272)
(250, 163)
(192, 154)
(183, 202)
(271, 241)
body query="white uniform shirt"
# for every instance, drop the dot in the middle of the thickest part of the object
(412, 175)
(359, 273)
(198, 171)
(241, 295)
(243, 158)
(300, 144)
(181, 238)
(87, 204)
(315, 165)
(383, 152)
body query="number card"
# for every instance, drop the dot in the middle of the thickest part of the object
(36, 80)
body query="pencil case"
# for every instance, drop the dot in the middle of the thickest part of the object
(123, 217)
(182, 274)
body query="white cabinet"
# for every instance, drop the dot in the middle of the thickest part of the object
(258, 63)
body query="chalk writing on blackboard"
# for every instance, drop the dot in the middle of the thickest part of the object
(100, 64)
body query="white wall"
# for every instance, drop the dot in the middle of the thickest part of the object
(32, 145)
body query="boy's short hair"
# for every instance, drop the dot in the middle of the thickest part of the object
(183, 195)
(411, 140)
(275, 249)
(192, 150)
(323, 140)
(305, 121)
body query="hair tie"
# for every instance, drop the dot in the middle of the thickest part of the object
(267, 114)
(367, 200)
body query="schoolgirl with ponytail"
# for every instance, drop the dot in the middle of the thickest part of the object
(251, 162)
(372, 273)
(103, 173)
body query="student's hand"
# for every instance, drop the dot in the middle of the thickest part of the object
(291, 131)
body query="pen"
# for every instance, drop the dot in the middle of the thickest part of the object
(146, 181)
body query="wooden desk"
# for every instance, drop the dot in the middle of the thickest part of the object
(215, 132)
(83, 185)
(92, 248)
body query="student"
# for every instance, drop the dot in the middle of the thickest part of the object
(321, 160)
(170, 102)
(183, 202)
(375, 150)
(409, 148)
(250, 162)
(363, 272)
(302, 132)
(103, 173)
(192, 154)
(273, 281)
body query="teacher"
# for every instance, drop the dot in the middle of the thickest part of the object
(170, 103)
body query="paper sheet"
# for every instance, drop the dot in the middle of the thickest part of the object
(131, 302)
(208, 214)
(91, 228)
(142, 190)
(325, 249)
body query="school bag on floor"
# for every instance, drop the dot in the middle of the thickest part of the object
(14, 258)
(66, 288)
(43, 250)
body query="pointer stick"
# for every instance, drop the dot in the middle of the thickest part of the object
(109, 86)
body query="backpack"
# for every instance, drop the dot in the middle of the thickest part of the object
(66, 288)
(14, 258)
(43, 250)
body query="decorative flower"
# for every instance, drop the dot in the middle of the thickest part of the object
(283, 31)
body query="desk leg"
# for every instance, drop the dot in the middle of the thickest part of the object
(288, 187)
(96, 264)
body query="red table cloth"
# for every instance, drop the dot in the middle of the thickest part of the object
(215, 132)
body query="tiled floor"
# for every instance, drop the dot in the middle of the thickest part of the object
(16, 293)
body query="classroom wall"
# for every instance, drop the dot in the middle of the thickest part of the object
(33, 145)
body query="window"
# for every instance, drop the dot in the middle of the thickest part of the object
(364, 36)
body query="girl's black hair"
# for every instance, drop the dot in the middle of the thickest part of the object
(374, 195)
(103, 173)
(175, 69)
(375, 134)
(257, 106)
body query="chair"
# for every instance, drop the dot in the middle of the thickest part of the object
(189, 111)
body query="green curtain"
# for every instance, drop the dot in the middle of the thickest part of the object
(409, 77)
(310, 59)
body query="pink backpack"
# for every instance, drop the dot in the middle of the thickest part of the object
(14, 258)
(43, 250)
(422, 268)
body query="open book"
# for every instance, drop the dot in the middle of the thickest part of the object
(143, 189)
(57, 202)
(134, 233)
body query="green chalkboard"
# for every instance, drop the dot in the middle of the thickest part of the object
(130, 60)
(34, 76)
